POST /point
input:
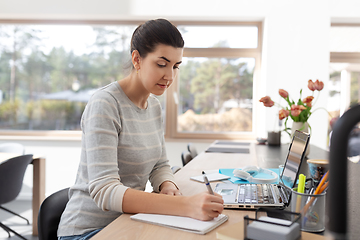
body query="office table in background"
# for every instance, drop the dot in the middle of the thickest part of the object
(38, 185)
(260, 155)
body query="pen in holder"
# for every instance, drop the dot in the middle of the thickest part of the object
(270, 228)
(312, 209)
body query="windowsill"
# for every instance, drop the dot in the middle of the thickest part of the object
(170, 139)
(41, 135)
(76, 136)
(40, 138)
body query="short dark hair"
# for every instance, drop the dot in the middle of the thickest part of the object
(147, 36)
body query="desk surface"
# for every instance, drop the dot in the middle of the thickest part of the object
(261, 155)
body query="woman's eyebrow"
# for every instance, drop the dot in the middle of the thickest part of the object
(169, 60)
(165, 59)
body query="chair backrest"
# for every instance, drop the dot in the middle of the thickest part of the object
(192, 150)
(175, 169)
(12, 173)
(185, 157)
(12, 148)
(50, 213)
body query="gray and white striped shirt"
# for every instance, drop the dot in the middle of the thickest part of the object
(122, 147)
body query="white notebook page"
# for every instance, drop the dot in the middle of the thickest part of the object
(181, 223)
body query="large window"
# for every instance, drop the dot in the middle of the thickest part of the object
(344, 87)
(215, 88)
(344, 67)
(48, 72)
(215, 95)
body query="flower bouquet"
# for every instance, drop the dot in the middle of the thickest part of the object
(299, 111)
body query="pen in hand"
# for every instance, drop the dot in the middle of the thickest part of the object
(207, 183)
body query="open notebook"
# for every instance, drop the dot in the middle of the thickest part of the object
(181, 223)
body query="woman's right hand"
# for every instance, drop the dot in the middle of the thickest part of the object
(205, 206)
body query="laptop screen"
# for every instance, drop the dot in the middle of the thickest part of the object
(294, 158)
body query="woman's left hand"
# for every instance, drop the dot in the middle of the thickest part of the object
(169, 188)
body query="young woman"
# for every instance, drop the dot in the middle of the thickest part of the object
(123, 144)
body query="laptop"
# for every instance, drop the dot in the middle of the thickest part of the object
(252, 196)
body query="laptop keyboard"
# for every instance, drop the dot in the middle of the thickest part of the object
(256, 193)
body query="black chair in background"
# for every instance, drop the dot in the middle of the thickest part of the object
(175, 169)
(50, 213)
(192, 150)
(185, 157)
(12, 173)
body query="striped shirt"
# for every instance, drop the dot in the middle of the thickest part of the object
(122, 147)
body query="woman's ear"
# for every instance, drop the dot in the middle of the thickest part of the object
(135, 58)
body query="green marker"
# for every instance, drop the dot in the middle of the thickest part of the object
(300, 189)
(301, 185)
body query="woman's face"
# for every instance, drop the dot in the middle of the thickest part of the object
(159, 69)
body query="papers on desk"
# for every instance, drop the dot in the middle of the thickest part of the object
(181, 223)
(232, 143)
(227, 150)
(229, 147)
(214, 176)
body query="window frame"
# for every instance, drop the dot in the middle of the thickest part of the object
(345, 57)
(171, 107)
(65, 135)
(350, 57)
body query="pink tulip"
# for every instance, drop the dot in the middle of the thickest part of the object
(267, 101)
(319, 85)
(295, 113)
(301, 107)
(283, 93)
(308, 101)
(297, 109)
(283, 113)
(311, 85)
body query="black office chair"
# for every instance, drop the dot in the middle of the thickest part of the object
(50, 213)
(192, 150)
(12, 173)
(185, 157)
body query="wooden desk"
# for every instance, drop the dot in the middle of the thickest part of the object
(38, 185)
(261, 155)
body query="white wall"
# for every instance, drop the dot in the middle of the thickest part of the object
(296, 47)
(297, 50)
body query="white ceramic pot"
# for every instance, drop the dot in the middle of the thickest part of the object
(304, 127)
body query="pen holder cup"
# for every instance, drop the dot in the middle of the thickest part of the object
(312, 209)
